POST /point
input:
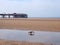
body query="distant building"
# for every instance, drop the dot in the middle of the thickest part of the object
(14, 15)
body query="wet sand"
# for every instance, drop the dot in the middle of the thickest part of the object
(38, 24)
(24, 35)
(5, 42)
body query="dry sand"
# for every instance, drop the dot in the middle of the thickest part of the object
(39, 24)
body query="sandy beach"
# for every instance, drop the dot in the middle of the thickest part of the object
(38, 24)
(5, 42)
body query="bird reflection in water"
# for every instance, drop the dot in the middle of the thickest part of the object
(31, 33)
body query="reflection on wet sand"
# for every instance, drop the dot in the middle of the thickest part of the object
(39, 36)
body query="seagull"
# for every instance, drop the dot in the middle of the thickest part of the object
(31, 33)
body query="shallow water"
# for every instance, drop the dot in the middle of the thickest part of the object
(39, 36)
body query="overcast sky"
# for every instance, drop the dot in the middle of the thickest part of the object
(34, 8)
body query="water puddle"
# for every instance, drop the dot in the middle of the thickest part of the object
(24, 35)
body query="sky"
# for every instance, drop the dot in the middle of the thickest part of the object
(34, 8)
